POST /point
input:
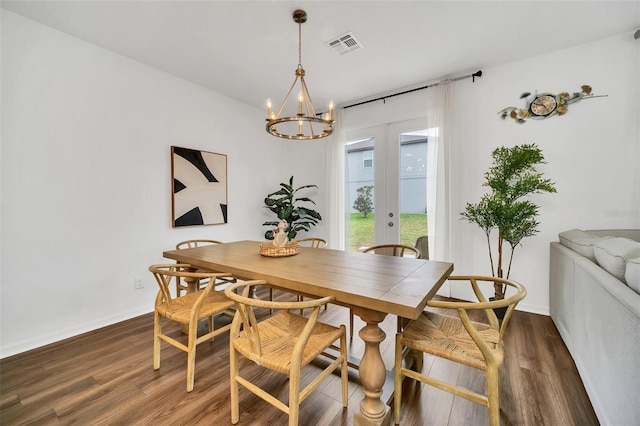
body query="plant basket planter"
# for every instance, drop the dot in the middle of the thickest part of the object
(500, 312)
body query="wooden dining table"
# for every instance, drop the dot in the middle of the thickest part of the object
(374, 286)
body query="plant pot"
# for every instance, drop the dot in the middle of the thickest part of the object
(500, 312)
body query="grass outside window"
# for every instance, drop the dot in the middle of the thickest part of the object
(362, 232)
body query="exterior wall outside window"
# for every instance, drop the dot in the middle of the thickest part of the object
(413, 171)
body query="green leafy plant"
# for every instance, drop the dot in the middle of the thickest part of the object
(363, 202)
(505, 208)
(287, 206)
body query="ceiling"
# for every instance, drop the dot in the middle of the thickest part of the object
(248, 50)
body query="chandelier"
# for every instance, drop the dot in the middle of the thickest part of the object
(305, 124)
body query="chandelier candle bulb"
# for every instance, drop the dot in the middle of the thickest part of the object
(269, 111)
(300, 99)
(330, 118)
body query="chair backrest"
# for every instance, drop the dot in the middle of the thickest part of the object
(164, 273)
(195, 243)
(245, 319)
(312, 242)
(422, 244)
(393, 250)
(488, 306)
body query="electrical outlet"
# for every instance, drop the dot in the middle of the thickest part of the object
(137, 282)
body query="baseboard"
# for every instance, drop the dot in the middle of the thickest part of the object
(534, 309)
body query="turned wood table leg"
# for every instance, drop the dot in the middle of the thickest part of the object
(372, 372)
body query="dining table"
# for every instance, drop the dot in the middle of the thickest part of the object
(373, 286)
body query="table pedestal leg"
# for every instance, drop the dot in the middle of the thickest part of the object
(372, 372)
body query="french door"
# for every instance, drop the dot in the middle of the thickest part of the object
(386, 184)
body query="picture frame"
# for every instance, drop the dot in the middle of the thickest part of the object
(198, 187)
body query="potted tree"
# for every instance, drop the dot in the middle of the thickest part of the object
(512, 177)
(287, 206)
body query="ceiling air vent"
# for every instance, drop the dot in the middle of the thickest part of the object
(344, 44)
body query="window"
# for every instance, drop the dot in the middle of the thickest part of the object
(367, 158)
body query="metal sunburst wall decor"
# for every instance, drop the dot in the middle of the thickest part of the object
(544, 105)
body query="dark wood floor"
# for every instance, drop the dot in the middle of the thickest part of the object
(106, 377)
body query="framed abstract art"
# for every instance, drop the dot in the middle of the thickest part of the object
(199, 187)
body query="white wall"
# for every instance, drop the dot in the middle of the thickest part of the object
(86, 201)
(593, 152)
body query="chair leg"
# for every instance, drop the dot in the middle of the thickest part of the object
(270, 298)
(211, 326)
(156, 340)
(419, 361)
(294, 397)
(235, 401)
(397, 381)
(493, 395)
(350, 324)
(191, 355)
(344, 372)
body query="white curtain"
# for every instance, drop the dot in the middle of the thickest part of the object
(440, 145)
(336, 216)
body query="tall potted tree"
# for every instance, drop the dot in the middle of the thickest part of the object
(512, 177)
(289, 207)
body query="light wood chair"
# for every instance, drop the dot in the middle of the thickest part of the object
(187, 244)
(186, 310)
(458, 339)
(422, 244)
(314, 242)
(388, 250)
(393, 250)
(284, 342)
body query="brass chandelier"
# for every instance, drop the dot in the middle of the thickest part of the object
(305, 124)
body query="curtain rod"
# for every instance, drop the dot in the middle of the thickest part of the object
(382, 98)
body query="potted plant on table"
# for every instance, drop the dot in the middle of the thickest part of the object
(288, 207)
(512, 177)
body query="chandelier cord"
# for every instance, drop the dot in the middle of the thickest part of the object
(299, 44)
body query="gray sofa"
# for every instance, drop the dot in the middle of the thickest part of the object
(598, 316)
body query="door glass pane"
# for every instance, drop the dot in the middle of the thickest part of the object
(413, 186)
(360, 177)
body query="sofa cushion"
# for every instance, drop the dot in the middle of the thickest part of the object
(632, 274)
(612, 255)
(581, 242)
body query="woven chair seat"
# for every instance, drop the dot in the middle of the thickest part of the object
(181, 307)
(279, 335)
(446, 337)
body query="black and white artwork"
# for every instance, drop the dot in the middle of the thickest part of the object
(199, 187)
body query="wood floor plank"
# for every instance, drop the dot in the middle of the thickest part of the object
(106, 377)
